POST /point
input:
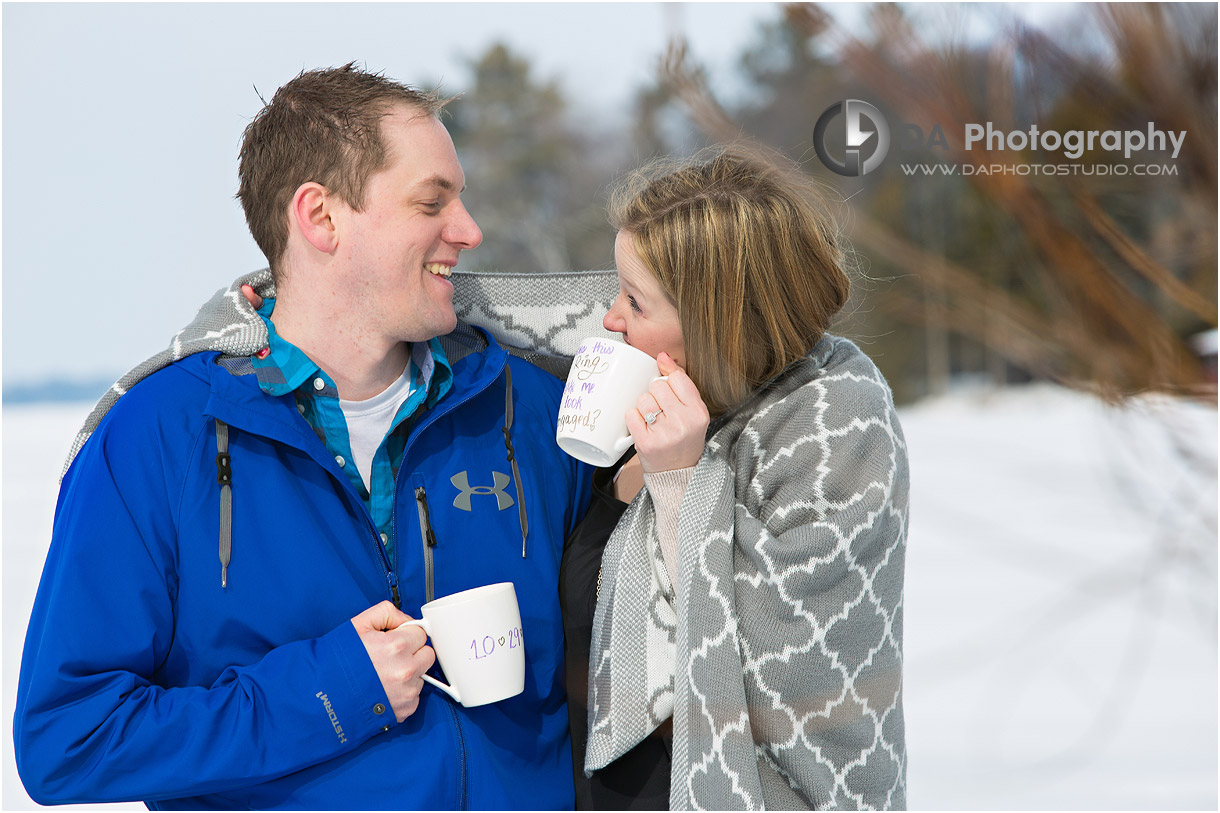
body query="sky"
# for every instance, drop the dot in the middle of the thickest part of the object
(121, 124)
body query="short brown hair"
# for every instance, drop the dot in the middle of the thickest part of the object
(323, 126)
(743, 249)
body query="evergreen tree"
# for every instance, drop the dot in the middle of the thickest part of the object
(533, 179)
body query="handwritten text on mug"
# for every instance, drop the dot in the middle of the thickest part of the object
(571, 422)
(480, 649)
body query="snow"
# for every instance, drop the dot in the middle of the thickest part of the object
(1060, 609)
(1061, 603)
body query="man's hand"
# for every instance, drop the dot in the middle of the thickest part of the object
(399, 654)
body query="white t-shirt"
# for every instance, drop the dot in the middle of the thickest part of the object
(369, 421)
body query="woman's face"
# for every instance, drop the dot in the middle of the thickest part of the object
(641, 312)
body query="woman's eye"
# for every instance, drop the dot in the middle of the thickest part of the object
(635, 306)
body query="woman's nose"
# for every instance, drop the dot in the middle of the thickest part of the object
(612, 321)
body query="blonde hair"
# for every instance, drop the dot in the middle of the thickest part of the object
(743, 250)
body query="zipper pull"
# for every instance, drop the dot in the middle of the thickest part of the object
(392, 578)
(422, 498)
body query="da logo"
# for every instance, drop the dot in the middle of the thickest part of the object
(499, 483)
(855, 114)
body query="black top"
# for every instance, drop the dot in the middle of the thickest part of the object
(639, 779)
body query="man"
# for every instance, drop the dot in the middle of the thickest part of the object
(240, 539)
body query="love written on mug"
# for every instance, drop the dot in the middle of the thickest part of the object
(607, 377)
(477, 637)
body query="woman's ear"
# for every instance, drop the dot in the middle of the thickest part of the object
(311, 211)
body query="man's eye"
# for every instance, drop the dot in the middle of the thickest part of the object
(432, 206)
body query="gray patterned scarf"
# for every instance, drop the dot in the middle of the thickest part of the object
(785, 631)
(541, 317)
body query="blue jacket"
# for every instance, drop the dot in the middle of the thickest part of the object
(142, 678)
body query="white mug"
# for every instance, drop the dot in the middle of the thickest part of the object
(477, 637)
(607, 377)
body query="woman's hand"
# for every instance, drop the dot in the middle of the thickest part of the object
(675, 438)
(254, 299)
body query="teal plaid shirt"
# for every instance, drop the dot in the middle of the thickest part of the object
(286, 369)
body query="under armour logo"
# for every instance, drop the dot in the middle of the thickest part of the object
(462, 500)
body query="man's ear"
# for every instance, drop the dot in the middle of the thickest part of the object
(311, 211)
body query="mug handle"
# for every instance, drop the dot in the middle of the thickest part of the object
(422, 623)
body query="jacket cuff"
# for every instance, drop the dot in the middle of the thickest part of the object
(354, 699)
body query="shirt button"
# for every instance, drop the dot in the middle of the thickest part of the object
(379, 709)
(339, 459)
(301, 408)
(318, 383)
(384, 538)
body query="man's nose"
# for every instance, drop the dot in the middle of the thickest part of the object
(461, 230)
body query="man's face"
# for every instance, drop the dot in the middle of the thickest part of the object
(398, 252)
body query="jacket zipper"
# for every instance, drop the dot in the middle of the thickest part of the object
(390, 576)
(429, 540)
(463, 791)
(379, 551)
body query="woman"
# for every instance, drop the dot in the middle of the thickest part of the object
(749, 601)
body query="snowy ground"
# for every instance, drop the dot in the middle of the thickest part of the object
(1061, 636)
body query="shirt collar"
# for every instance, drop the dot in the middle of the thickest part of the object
(285, 367)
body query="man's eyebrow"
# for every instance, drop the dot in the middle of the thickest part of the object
(443, 183)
